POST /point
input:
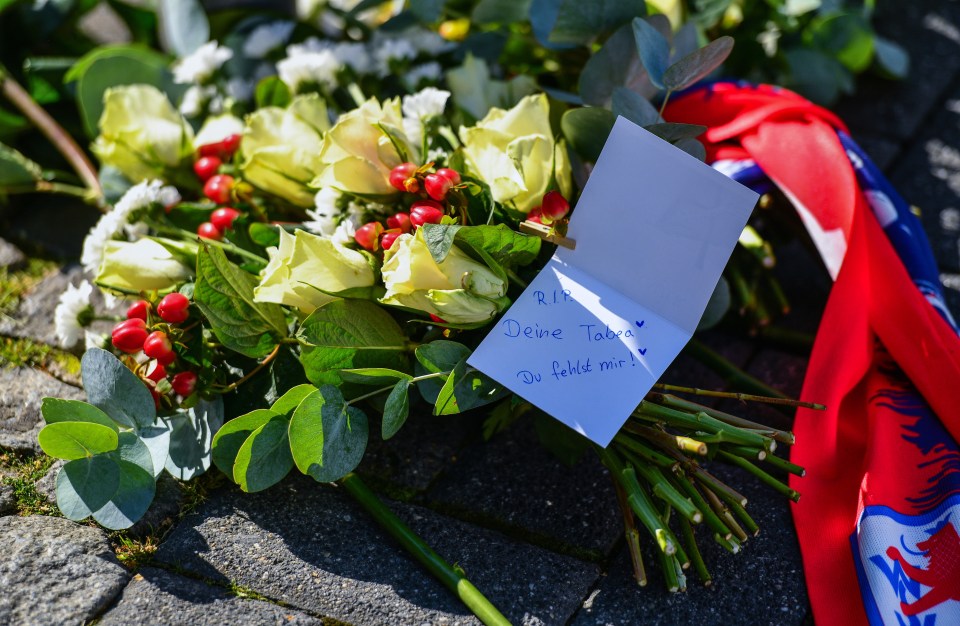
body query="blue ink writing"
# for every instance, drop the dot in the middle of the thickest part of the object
(558, 296)
(606, 334)
(528, 377)
(640, 323)
(513, 329)
(572, 368)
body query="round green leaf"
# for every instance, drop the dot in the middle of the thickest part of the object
(264, 458)
(190, 439)
(76, 440)
(288, 402)
(58, 410)
(586, 130)
(113, 388)
(891, 57)
(653, 48)
(396, 410)
(156, 438)
(717, 307)
(85, 485)
(435, 357)
(131, 499)
(134, 450)
(634, 107)
(845, 36)
(227, 441)
(327, 437)
(698, 64)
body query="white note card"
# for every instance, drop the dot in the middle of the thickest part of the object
(599, 325)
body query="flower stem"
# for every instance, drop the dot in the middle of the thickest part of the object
(743, 397)
(449, 576)
(732, 374)
(53, 131)
(415, 379)
(270, 357)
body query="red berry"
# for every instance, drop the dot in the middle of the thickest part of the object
(157, 346)
(425, 212)
(453, 175)
(400, 174)
(219, 188)
(437, 186)
(209, 231)
(223, 218)
(184, 383)
(386, 242)
(554, 206)
(155, 394)
(156, 372)
(229, 145)
(206, 167)
(174, 308)
(437, 319)
(401, 221)
(129, 336)
(138, 310)
(535, 215)
(368, 235)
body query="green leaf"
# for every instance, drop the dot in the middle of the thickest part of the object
(467, 388)
(86, 485)
(543, 17)
(288, 402)
(579, 22)
(113, 388)
(500, 11)
(183, 26)
(224, 293)
(428, 11)
(817, 75)
(435, 357)
(653, 49)
(347, 334)
(57, 410)
(717, 306)
(264, 235)
(230, 437)
(615, 64)
(272, 92)
(891, 57)
(373, 375)
(112, 66)
(847, 37)
(327, 437)
(131, 499)
(264, 459)
(76, 440)
(17, 170)
(190, 438)
(586, 130)
(505, 245)
(156, 438)
(698, 64)
(674, 132)
(396, 409)
(131, 448)
(634, 107)
(692, 147)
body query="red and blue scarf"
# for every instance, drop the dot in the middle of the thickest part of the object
(880, 513)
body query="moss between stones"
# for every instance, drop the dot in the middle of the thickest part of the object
(13, 285)
(22, 472)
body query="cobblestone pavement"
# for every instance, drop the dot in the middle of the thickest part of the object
(541, 539)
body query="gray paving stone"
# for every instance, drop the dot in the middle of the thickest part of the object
(21, 392)
(311, 547)
(570, 508)
(8, 501)
(763, 584)
(156, 597)
(11, 257)
(55, 571)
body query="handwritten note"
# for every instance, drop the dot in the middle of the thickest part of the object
(600, 324)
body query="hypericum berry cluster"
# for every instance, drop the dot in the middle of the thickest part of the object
(216, 186)
(137, 334)
(554, 207)
(434, 190)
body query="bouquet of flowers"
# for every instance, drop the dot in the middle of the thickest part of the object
(312, 254)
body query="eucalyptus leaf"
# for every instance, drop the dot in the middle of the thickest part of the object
(59, 410)
(634, 107)
(86, 485)
(427, 11)
(543, 17)
(191, 436)
(76, 440)
(264, 458)
(396, 409)
(891, 57)
(673, 132)
(224, 293)
(692, 147)
(183, 26)
(653, 49)
(500, 11)
(697, 65)
(717, 306)
(230, 437)
(113, 388)
(131, 499)
(586, 130)
(615, 64)
(347, 334)
(579, 22)
(156, 438)
(131, 448)
(327, 436)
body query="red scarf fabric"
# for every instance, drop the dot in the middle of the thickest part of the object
(865, 527)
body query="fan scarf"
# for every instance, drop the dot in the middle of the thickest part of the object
(880, 513)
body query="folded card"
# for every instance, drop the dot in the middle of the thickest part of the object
(600, 323)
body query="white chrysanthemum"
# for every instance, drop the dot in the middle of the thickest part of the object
(266, 38)
(240, 89)
(114, 221)
(324, 218)
(74, 302)
(93, 340)
(437, 155)
(354, 56)
(200, 65)
(425, 71)
(390, 49)
(425, 103)
(309, 67)
(345, 231)
(308, 45)
(194, 98)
